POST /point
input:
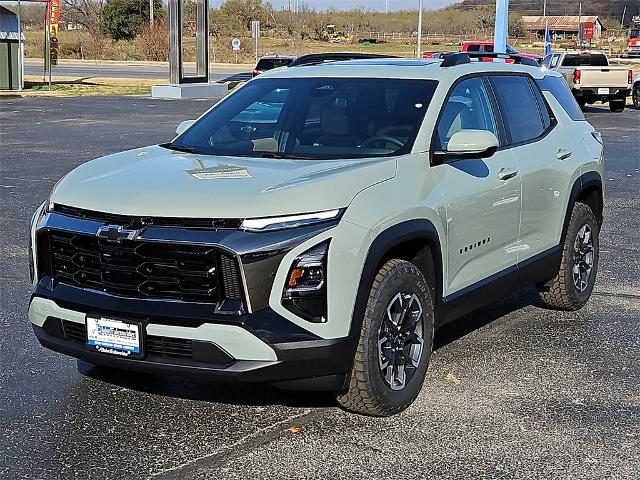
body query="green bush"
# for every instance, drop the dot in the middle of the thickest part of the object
(123, 19)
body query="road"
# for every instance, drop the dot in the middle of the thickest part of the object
(86, 69)
(513, 390)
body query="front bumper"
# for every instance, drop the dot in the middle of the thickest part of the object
(183, 343)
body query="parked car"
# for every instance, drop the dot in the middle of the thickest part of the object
(592, 79)
(270, 62)
(473, 46)
(312, 59)
(636, 92)
(315, 228)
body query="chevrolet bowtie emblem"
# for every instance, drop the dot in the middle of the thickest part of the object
(117, 233)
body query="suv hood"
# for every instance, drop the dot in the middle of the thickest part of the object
(154, 181)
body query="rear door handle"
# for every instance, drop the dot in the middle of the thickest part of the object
(507, 173)
(563, 154)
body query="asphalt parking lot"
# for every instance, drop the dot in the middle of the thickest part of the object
(513, 391)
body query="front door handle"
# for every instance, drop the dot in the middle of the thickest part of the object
(563, 154)
(507, 173)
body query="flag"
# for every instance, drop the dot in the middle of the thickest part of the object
(547, 40)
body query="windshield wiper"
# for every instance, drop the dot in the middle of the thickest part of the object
(180, 148)
(280, 156)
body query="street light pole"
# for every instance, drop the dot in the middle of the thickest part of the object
(151, 11)
(419, 47)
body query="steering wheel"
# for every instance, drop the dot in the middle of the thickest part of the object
(382, 138)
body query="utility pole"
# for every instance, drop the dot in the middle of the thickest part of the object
(544, 8)
(386, 7)
(151, 12)
(419, 48)
(624, 12)
(580, 24)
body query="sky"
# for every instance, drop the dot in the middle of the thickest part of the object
(368, 4)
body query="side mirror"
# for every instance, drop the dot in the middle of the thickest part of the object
(184, 126)
(472, 143)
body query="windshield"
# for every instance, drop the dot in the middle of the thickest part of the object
(314, 118)
(634, 33)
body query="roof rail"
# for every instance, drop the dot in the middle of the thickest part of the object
(465, 57)
(318, 58)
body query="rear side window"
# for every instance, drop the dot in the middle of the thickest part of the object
(585, 60)
(473, 48)
(518, 106)
(560, 90)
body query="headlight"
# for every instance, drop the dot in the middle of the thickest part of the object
(305, 291)
(289, 221)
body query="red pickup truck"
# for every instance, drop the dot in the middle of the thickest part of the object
(485, 47)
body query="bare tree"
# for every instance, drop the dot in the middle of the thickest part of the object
(84, 12)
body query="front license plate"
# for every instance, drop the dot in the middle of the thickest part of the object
(114, 337)
(603, 91)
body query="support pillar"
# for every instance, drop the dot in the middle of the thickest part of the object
(502, 26)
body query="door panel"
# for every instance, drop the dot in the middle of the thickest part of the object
(545, 168)
(483, 215)
(481, 196)
(543, 154)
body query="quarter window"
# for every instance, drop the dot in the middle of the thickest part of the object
(467, 107)
(560, 90)
(518, 106)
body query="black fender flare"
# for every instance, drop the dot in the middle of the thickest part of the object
(417, 229)
(582, 183)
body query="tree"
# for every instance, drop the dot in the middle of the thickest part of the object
(123, 19)
(234, 16)
(85, 12)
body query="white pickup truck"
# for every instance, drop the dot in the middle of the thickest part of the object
(592, 79)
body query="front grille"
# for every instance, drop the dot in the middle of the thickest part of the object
(138, 269)
(140, 222)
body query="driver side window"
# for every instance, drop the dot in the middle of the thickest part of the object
(467, 107)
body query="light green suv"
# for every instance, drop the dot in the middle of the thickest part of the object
(316, 227)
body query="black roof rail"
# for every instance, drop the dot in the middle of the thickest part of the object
(456, 58)
(465, 57)
(318, 58)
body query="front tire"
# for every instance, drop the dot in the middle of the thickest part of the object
(572, 286)
(395, 343)
(617, 106)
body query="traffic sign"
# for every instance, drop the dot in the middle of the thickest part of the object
(255, 29)
(235, 43)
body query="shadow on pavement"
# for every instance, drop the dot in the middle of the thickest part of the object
(460, 327)
(207, 390)
(257, 394)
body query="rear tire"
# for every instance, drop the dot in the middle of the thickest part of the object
(395, 343)
(617, 106)
(572, 286)
(636, 97)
